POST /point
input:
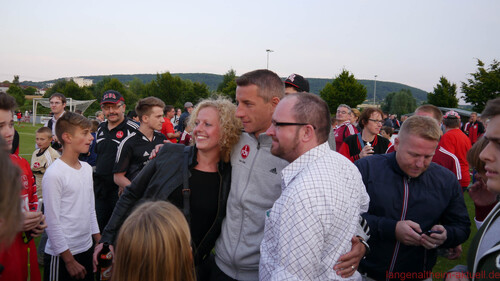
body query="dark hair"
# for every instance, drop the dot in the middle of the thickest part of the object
(68, 122)
(268, 83)
(58, 95)
(7, 102)
(145, 105)
(492, 109)
(473, 155)
(167, 109)
(388, 130)
(429, 108)
(366, 114)
(131, 114)
(95, 125)
(310, 108)
(451, 122)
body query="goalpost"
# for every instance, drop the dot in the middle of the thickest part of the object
(73, 105)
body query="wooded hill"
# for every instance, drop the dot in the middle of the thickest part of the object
(213, 80)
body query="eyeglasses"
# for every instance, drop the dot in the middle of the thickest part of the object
(281, 124)
(377, 121)
(342, 112)
(109, 106)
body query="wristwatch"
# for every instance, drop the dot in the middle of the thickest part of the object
(362, 241)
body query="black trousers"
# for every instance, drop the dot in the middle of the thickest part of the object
(55, 268)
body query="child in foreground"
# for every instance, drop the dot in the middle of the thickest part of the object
(69, 204)
(43, 157)
(154, 244)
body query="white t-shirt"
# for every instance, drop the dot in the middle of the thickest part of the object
(69, 208)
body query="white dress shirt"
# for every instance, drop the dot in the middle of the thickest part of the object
(311, 224)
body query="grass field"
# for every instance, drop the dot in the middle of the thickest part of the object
(27, 146)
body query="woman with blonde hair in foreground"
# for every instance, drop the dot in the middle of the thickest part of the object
(196, 179)
(154, 245)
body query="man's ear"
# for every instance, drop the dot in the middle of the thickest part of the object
(275, 101)
(308, 133)
(396, 143)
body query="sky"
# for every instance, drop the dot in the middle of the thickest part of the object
(409, 42)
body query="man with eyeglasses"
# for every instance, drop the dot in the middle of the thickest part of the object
(344, 127)
(57, 104)
(109, 135)
(311, 224)
(256, 184)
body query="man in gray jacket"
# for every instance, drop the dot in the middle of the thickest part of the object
(256, 183)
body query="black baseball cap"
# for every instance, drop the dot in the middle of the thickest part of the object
(112, 96)
(298, 82)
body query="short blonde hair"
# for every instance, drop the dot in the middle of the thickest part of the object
(230, 125)
(154, 245)
(10, 199)
(421, 126)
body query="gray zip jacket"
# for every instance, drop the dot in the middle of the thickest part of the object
(255, 185)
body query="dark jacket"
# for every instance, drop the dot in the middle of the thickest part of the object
(432, 198)
(159, 178)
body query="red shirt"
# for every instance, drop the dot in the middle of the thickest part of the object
(475, 130)
(343, 131)
(168, 127)
(456, 142)
(15, 257)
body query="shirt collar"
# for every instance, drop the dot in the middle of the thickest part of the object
(297, 166)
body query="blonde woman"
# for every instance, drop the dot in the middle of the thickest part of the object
(196, 178)
(154, 245)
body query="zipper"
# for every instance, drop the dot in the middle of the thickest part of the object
(403, 216)
(233, 256)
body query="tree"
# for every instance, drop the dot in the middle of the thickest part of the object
(483, 86)
(136, 87)
(228, 84)
(29, 91)
(16, 80)
(18, 94)
(344, 89)
(444, 94)
(399, 103)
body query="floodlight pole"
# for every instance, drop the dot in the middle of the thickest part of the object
(268, 51)
(374, 89)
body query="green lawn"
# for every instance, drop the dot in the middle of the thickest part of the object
(27, 146)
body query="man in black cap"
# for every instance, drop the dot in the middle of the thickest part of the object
(108, 137)
(295, 84)
(188, 106)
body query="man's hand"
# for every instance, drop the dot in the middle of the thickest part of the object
(435, 239)
(407, 232)
(97, 251)
(454, 253)
(75, 270)
(157, 149)
(32, 220)
(346, 262)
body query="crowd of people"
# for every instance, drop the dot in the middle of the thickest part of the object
(270, 188)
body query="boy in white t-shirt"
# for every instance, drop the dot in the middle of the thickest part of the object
(69, 204)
